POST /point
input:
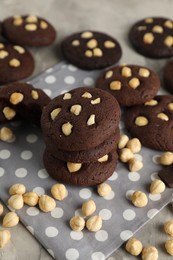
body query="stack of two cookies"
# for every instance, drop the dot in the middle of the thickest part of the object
(81, 133)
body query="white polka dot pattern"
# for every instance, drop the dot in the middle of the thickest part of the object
(21, 161)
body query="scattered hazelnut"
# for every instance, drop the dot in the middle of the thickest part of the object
(5, 236)
(123, 141)
(149, 253)
(166, 158)
(125, 154)
(5, 134)
(169, 246)
(139, 199)
(10, 219)
(31, 198)
(59, 191)
(17, 188)
(134, 246)
(77, 223)
(168, 228)
(1, 209)
(104, 189)
(135, 165)
(16, 201)
(157, 186)
(88, 208)
(94, 223)
(46, 203)
(134, 145)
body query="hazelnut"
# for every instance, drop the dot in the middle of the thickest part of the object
(10, 219)
(5, 236)
(125, 154)
(104, 189)
(123, 141)
(1, 209)
(139, 199)
(59, 191)
(166, 158)
(5, 134)
(91, 120)
(16, 201)
(168, 228)
(94, 223)
(149, 253)
(17, 188)
(73, 167)
(141, 121)
(134, 246)
(31, 198)
(88, 208)
(134, 145)
(169, 246)
(46, 203)
(135, 165)
(157, 186)
(77, 223)
(67, 128)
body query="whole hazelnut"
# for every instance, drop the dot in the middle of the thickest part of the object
(10, 219)
(169, 246)
(17, 188)
(46, 203)
(5, 236)
(104, 189)
(88, 208)
(59, 191)
(1, 209)
(157, 186)
(94, 223)
(31, 198)
(168, 227)
(77, 223)
(16, 201)
(149, 253)
(134, 246)
(139, 199)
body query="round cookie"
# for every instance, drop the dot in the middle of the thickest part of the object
(168, 76)
(81, 119)
(88, 174)
(91, 50)
(152, 123)
(16, 63)
(90, 155)
(153, 37)
(129, 84)
(28, 30)
(24, 100)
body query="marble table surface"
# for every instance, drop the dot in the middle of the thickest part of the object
(114, 17)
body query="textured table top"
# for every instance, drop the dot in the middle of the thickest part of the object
(114, 17)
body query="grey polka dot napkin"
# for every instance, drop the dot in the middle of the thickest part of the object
(21, 161)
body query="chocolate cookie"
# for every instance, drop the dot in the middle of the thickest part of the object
(168, 76)
(90, 155)
(91, 50)
(86, 174)
(28, 30)
(22, 99)
(153, 37)
(166, 175)
(16, 63)
(152, 122)
(80, 119)
(129, 84)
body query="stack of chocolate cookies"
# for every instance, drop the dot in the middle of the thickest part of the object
(81, 132)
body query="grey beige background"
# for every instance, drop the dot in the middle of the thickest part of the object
(68, 16)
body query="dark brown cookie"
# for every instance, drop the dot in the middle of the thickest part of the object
(28, 30)
(153, 37)
(86, 174)
(152, 123)
(81, 119)
(90, 155)
(166, 175)
(16, 63)
(168, 76)
(22, 99)
(129, 84)
(91, 50)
